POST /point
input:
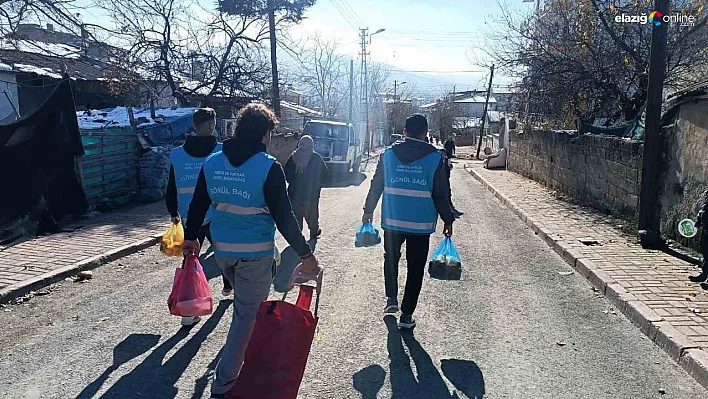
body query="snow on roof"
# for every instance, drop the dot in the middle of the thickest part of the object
(36, 47)
(5, 67)
(118, 117)
(475, 99)
(428, 105)
(336, 123)
(298, 108)
(39, 71)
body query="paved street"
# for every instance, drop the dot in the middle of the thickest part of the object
(516, 326)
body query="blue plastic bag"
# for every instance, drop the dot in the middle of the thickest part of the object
(367, 236)
(445, 264)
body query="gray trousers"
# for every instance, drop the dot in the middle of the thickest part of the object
(251, 279)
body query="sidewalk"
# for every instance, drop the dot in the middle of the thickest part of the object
(36, 263)
(649, 287)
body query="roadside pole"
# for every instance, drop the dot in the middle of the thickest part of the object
(649, 212)
(484, 115)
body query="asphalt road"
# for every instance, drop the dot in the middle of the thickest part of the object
(515, 326)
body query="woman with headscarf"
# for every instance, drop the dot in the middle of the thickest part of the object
(305, 172)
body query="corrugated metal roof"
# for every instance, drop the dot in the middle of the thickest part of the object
(475, 99)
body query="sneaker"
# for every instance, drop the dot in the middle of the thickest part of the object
(226, 292)
(699, 278)
(190, 321)
(406, 321)
(391, 305)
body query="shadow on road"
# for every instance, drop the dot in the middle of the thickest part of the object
(154, 378)
(345, 180)
(427, 382)
(369, 381)
(131, 347)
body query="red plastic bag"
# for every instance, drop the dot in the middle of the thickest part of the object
(191, 294)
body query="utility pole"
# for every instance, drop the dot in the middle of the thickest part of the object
(351, 90)
(365, 86)
(484, 115)
(274, 58)
(649, 214)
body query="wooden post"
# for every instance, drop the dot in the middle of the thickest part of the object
(484, 115)
(131, 117)
(351, 90)
(274, 58)
(649, 207)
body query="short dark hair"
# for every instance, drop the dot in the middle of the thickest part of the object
(254, 121)
(416, 126)
(203, 115)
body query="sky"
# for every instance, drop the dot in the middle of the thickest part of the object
(440, 36)
(441, 40)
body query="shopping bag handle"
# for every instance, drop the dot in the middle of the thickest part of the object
(299, 274)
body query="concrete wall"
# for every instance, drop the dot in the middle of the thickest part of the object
(686, 175)
(282, 146)
(603, 172)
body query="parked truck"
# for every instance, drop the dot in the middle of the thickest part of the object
(339, 143)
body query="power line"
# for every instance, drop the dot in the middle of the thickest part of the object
(348, 7)
(344, 15)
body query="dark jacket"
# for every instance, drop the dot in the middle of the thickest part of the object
(276, 196)
(409, 151)
(306, 187)
(195, 146)
(702, 222)
(450, 148)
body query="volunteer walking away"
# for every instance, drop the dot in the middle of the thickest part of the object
(185, 163)
(305, 172)
(411, 177)
(247, 188)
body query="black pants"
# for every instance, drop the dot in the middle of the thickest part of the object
(704, 248)
(416, 255)
(205, 232)
(310, 212)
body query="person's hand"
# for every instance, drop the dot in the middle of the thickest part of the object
(310, 265)
(175, 219)
(447, 230)
(367, 218)
(190, 247)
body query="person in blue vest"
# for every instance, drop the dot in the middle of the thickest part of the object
(411, 177)
(247, 190)
(185, 163)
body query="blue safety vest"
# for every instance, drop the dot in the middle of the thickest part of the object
(186, 173)
(241, 224)
(408, 205)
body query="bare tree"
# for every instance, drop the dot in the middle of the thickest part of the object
(574, 59)
(194, 50)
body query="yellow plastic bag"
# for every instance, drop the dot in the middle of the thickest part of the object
(171, 244)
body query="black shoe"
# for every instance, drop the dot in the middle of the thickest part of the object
(699, 278)
(406, 322)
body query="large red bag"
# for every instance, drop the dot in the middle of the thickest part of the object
(191, 293)
(277, 352)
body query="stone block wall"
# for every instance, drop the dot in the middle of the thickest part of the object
(600, 171)
(281, 146)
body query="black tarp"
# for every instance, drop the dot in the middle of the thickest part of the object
(40, 184)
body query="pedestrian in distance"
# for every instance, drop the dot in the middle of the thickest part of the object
(248, 189)
(448, 170)
(411, 177)
(185, 163)
(306, 172)
(450, 146)
(702, 223)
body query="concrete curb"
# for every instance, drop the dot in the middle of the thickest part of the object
(54, 276)
(677, 345)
